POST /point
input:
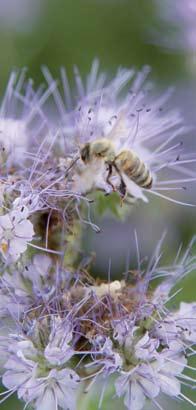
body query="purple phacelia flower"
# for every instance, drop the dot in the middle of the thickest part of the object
(86, 331)
(130, 116)
(65, 330)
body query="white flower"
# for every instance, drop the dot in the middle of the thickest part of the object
(20, 370)
(38, 273)
(179, 326)
(42, 387)
(169, 365)
(146, 381)
(59, 388)
(58, 351)
(121, 329)
(137, 347)
(9, 303)
(136, 386)
(185, 320)
(146, 348)
(106, 356)
(15, 233)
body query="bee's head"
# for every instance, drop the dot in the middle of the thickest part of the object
(85, 153)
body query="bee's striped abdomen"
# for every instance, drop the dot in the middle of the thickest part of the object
(128, 162)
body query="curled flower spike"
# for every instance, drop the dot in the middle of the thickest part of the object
(120, 332)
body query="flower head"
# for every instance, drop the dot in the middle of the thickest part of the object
(87, 331)
(64, 329)
(132, 137)
(116, 135)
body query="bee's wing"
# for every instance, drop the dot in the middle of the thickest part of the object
(120, 130)
(133, 189)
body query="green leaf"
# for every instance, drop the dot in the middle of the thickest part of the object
(111, 204)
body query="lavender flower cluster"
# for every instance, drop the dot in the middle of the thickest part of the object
(62, 329)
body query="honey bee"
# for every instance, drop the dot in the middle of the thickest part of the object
(126, 163)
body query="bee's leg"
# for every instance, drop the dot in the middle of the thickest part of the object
(122, 191)
(109, 176)
(122, 187)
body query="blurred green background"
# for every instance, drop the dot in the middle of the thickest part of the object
(68, 32)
